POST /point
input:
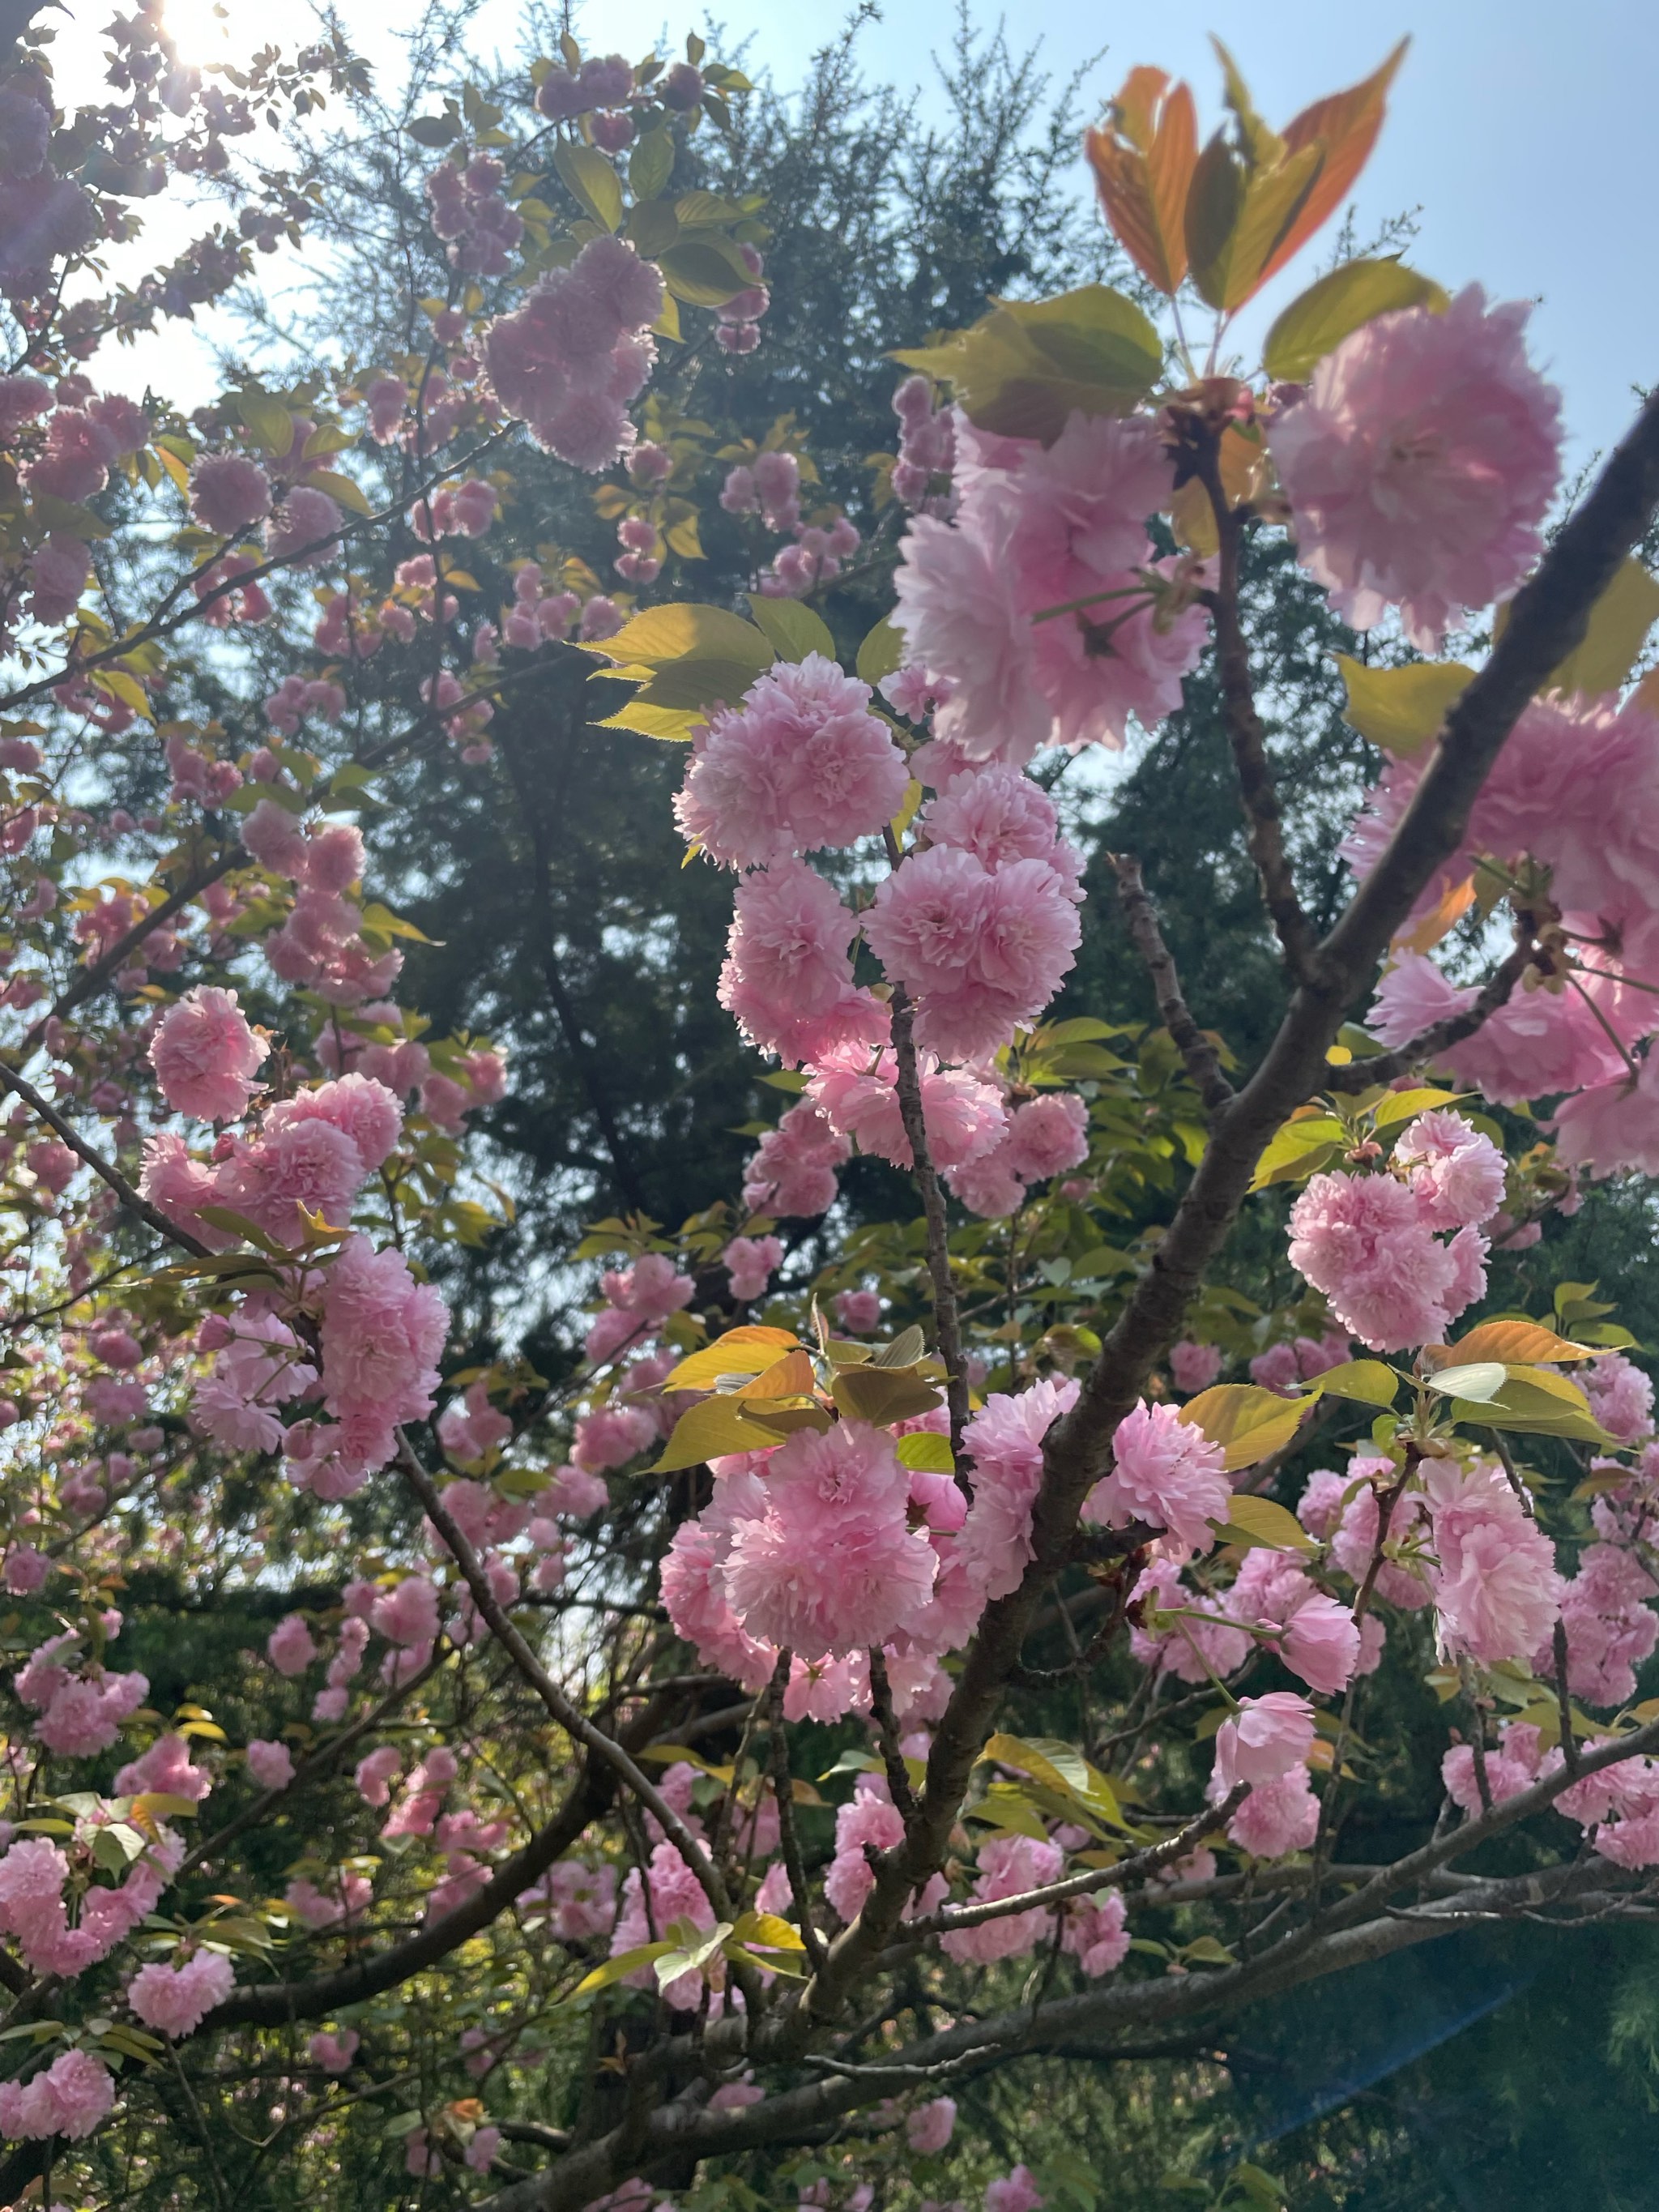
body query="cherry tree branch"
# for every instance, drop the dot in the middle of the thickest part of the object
(1203, 1062)
(1550, 616)
(1264, 831)
(574, 1722)
(947, 1321)
(1209, 1822)
(131, 1200)
(1422, 1050)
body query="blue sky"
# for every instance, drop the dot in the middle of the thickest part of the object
(1518, 127)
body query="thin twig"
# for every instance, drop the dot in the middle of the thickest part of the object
(1202, 1061)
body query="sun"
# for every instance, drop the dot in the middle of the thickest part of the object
(202, 31)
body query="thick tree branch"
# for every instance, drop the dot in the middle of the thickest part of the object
(1203, 1061)
(1550, 616)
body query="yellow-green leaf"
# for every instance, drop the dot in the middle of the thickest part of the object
(1300, 1148)
(881, 652)
(705, 271)
(1022, 369)
(1338, 305)
(769, 1931)
(344, 490)
(591, 179)
(1367, 1382)
(268, 420)
(1619, 622)
(709, 1430)
(1260, 1522)
(673, 724)
(927, 1453)
(618, 1969)
(794, 630)
(1401, 709)
(880, 1395)
(683, 630)
(745, 1351)
(1248, 1422)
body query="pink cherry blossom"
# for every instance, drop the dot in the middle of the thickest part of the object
(178, 1999)
(1455, 1174)
(1166, 1472)
(802, 764)
(203, 1053)
(1097, 1933)
(929, 2128)
(1420, 463)
(228, 492)
(272, 1765)
(830, 1566)
(1009, 1865)
(1496, 1589)
(1193, 1367)
(290, 1646)
(792, 1172)
(70, 2098)
(750, 1263)
(1264, 1738)
(1363, 1241)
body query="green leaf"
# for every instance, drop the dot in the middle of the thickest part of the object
(709, 1430)
(651, 165)
(591, 179)
(651, 227)
(1250, 1422)
(1329, 311)
(1058, 1767)
(881, 1394)
(881, 652)
(704, 272)
(344, 489)
(685, 631)
(1367, 1382)
(1260, 1522)
(269, 421)
(435, 130)
(617, 1969)
(1300, 1148)
(793, 629)
(1402, 710)
(927, 1453)
(1021, 370)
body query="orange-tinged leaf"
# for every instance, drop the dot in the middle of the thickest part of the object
(745, 1351)
(1524, 1342)
(1345, 125)
(789, 1377)
(1248, 1422)
(1143, 160)
(1424, 934)
(1273, 201)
